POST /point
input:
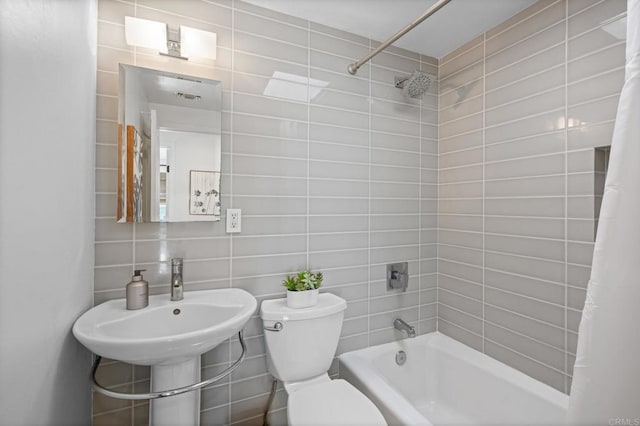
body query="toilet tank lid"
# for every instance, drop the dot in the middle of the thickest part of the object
(277, 310)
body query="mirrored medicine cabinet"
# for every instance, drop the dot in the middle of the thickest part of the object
(169, 147)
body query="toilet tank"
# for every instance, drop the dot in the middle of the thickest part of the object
(307, 342)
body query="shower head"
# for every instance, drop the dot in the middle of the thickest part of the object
(415, 85)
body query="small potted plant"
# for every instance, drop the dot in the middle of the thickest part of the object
(302, 289)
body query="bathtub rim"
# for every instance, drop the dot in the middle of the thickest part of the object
(358, 366)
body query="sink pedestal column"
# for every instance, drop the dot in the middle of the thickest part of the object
(178, 410)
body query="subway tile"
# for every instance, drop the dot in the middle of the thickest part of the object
(392, 125)
(271, 205)
(398, 63)
(336, 46)
(467, 223)
(534, 206)
(460, 190)
(543, 373)
(527, 186)
(590, 41)
(338, 33)
(530, 86)
(396, 158)
(526, 286)
(529, 146)
(254, 24)
(329, 133)
(462, 125)
(262, 146)
(276, 108)
(532, 227)
(542, 61)
(460, 254)
(337, 188)
(462, 206)
(461, 109)
(269, 13)
(595, 111)
(470, 55)
(261, 46)
(596, 62)
(460, 142)
(341, 100)
(257, 165)
(531, 24)
(331, 116)
(545, 354)
(459, 318)
(536, 104)
(574, 7)
(594, 16)
(519, 17)
(459, 286)
(391, 93)
(458, 270)
(329, 61)
(456, 332)
(525, 246)
(530, 267)
(529, 327)
(461, 174)
(330, 170)
(532, 166)
(525, 306)
(525, 48)
(341, 82)
(263, 126)
(258, 65)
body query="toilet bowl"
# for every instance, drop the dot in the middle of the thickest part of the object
(301, 344)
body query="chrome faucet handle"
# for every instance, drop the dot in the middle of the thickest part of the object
(176, 279)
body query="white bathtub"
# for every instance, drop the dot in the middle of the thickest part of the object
(444, 382)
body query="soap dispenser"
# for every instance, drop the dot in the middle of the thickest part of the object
(137, 291)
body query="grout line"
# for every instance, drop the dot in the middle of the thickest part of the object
(566, 189)
(231, 148)
(484, 191)
(369, 171)
(308, 97)
(437, 224)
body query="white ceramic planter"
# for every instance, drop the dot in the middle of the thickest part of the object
(302, 299)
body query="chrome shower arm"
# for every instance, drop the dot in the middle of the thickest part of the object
(353, 68)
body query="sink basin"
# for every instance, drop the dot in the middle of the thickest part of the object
(165, 332)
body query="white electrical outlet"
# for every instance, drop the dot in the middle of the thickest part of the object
(234, 221)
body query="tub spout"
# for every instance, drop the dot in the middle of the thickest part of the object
(399, 324)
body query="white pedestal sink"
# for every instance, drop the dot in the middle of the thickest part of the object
(170, 337)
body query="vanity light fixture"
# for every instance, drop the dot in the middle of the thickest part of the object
(192, 43)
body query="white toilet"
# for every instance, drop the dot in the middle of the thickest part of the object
(301, 344)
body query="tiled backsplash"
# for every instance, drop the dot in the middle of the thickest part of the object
(522, 109)
(345, 184)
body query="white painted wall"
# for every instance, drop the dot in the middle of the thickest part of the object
(47, 133)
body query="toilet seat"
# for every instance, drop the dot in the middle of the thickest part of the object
(334, 402)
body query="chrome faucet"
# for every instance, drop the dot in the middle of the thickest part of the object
(399, 324)
(176, 279)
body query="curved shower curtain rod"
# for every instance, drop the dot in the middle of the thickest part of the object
(353, 68)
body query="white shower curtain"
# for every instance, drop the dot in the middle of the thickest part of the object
(606, 376)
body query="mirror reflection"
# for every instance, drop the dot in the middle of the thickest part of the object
(169, 147)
